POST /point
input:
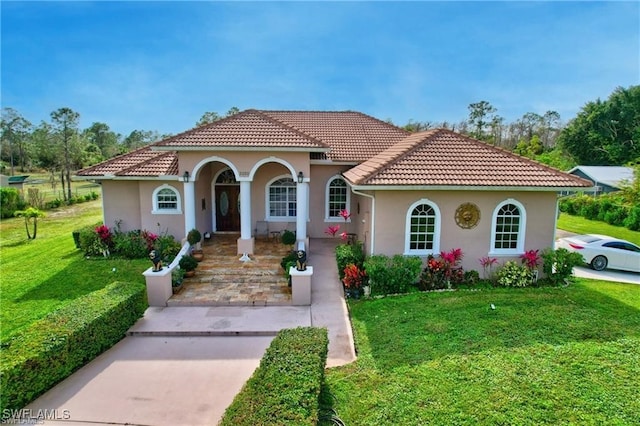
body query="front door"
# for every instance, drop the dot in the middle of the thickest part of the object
(227, 208)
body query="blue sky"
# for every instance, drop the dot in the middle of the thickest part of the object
(161, 65)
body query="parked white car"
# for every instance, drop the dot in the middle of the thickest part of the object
(601, 251)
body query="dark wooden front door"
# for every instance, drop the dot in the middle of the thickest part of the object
(227, 211)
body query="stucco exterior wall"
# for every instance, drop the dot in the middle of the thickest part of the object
(121, 203)
(392, 207)
(172, 224)
(320, 175)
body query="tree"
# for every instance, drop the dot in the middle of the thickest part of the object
(211, 117)
(139, 138)
(65, 127)
(480, 114)
(15, 135)
(101, 136)
(29, 214)
(606, 132)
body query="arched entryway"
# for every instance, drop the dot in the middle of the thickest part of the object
(226, 193)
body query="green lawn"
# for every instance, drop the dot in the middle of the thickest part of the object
(543, 356)
(41, 275)
(580, 225)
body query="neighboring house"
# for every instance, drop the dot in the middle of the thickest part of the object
(604, 179)
(407, 193)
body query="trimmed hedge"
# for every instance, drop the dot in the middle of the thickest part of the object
(285, 388)
(392, 275)
(49, 350)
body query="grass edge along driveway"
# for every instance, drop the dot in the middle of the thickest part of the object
(543, 356)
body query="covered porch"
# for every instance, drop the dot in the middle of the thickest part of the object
(221, 280)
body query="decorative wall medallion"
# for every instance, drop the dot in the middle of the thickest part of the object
(467, 215)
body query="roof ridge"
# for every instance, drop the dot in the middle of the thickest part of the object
(312, 138)
(204, 126)
(413, 141)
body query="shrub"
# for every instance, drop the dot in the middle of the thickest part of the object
(392, 275)
(349, 254)
(558, 265)
(90, 241)
(134, 244)
(288, 238)
(285, 388)
(616, 215)
(10, 202)
(354, 279)
(444, 272)
(168, 248)
(52, 348)
(513, 275)
(188, 263)
(632, 221)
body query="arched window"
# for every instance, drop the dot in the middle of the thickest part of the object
(508, 228)
(281, 199)
(166, 200)
(422, 236)
(337, 199)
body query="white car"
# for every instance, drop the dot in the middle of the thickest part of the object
(601, 251)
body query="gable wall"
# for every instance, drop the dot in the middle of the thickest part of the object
(392, 206)
(121, 202)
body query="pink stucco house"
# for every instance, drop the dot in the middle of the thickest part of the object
(413, 194)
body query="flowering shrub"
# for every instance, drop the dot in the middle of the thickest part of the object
(558, 265)
(444, 272)
(105, 235)
(531, 259)
(514, 275)
(349, 253)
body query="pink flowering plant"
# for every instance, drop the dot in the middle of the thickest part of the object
(345, 214)
(332, 230)
(487, 264)
(531, 259)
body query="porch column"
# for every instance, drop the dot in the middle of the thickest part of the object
(302, 204)
(189, 207)
(246, 241)
(245, 210)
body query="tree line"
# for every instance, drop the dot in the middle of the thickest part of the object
(603, 133)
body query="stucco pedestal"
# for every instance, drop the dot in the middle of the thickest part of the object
(246, 246)
(301, 286)
(158, 286)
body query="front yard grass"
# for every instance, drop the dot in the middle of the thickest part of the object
(42, 275)
(543, 356)
(580, 225)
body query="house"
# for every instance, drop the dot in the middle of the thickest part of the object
(604, 179)
(414, 194)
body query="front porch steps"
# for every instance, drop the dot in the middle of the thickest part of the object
(223, 280)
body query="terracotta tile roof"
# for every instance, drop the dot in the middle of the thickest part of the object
(141, 162)
(444, 158)
(249, 128)
(352, 136)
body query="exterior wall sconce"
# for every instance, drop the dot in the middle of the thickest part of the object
(300, 177)
(185, 177)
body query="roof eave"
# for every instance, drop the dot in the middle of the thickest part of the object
(465, 188)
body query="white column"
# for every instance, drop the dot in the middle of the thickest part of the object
(245, 210)
(189, 207)
(302, 210)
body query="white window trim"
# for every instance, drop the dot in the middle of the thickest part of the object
(335, 219)
(267, 210)
(436, 233)
(521, 230)
(156, 210)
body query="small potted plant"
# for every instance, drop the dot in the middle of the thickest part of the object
(194, 237)
(288, 238)
(189, 264)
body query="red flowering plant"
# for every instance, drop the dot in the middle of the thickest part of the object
(345, 214)
(149, 238)
(106, 242)
(530, 259)
(332, 230)
(444, 272)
